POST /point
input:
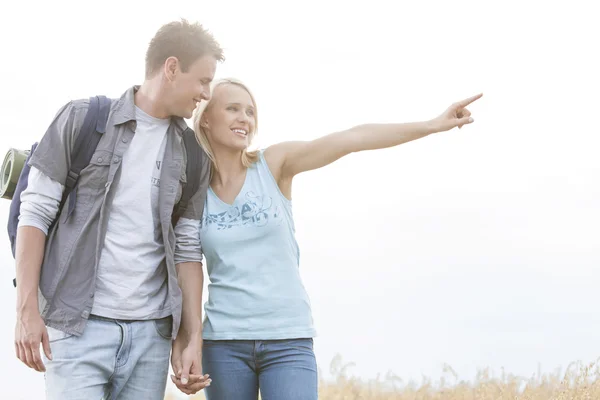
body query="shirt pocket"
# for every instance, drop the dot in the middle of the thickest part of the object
(95, 175)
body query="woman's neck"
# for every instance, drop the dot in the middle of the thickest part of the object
(229, 167)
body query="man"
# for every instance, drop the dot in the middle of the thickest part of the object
(103, 288)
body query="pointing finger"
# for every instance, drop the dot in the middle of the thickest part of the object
(469, 100)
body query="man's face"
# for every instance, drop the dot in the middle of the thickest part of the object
(191, 87)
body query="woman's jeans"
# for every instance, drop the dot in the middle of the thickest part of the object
(281, 369)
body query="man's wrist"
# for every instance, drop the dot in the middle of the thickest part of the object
(195, 337)
(28, 307)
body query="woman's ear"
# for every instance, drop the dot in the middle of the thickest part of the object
(203, 122)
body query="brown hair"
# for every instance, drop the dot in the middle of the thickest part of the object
(183, 40)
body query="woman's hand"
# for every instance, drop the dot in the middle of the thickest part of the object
(456, 115)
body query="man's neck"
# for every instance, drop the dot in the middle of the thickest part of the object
(148, 98)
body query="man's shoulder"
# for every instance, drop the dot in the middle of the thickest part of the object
(79, 104)
(83, 103)
(74, 110)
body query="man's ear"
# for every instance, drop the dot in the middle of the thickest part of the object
(171, 68)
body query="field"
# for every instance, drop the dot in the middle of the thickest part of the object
(579, 381)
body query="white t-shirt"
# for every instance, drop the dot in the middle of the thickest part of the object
(131, 277)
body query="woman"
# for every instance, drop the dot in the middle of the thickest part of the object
(258, 326)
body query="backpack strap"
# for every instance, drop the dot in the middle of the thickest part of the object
(195, 155)
(90, 133)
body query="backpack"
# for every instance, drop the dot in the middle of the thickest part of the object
(90, 133)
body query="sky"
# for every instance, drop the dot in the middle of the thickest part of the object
(474, 248)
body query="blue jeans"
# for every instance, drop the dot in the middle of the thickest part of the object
(282, 369)
(113, 359)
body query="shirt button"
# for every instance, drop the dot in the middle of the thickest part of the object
(116, 160)
(124, 140)
(99, 159)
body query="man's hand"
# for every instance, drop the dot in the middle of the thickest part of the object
(186, 361)
(30, 331)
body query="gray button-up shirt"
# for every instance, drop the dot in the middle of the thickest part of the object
(74, 244)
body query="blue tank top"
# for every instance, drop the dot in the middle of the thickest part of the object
(252, 257)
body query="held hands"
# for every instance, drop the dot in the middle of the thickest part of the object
(186, 361)
(456, 115)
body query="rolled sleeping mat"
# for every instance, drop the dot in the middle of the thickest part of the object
(11, 170)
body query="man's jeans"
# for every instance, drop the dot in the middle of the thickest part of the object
(112, 360)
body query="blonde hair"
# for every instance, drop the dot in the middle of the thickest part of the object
(249, 157)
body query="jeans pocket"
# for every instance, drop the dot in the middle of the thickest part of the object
(54, 335)
(215, 343)
(164, 327)
(308, 344)
(300, 344)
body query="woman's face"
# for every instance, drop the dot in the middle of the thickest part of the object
(229, 121)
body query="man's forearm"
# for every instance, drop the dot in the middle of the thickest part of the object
(191, 281)
(29, 254)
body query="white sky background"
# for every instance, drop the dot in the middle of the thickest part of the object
(476, 248)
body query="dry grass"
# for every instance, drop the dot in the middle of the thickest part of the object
(580, 381)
